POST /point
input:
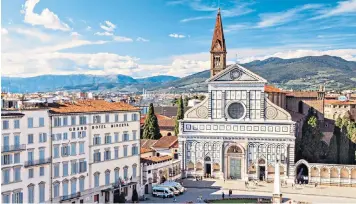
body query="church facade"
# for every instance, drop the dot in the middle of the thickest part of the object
(236, 132)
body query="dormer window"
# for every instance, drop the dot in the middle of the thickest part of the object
(217, 61)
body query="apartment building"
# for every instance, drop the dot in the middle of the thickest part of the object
(83, 152)
(25, 156)
(95, 151)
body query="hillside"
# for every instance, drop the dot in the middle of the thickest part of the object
(299, 73)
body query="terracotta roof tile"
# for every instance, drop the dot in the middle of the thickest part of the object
(175, 145)
(337, 102)
(303, 94)
(163, 121)
(272, 89)
(145, 150)
(316, 104)
(156, 159)
(92, 106)
(145, 143)
(165, 142)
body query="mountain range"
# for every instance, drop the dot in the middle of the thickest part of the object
(298, 73)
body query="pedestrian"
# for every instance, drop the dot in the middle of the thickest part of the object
(223, 195)
(224, 180)
(174, 199)
(316, 185)
(230, 192)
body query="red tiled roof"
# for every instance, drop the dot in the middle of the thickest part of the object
(316, 104)
(303, 94)
(337, 102)
(145, 143)
(145, 150)
(175, 145)
(92, 106)
(165, 142)
(272, 89)
(157, 159)
(163, 121)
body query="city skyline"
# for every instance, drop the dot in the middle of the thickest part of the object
(166, 37)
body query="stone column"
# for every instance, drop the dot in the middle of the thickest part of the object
(223, 104)
(280, 100)
(222, 175)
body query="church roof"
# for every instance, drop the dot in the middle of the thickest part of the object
(218, 42)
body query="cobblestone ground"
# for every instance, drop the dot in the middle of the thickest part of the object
(210, 189)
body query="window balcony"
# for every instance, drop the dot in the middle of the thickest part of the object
(71, 196)
(37, 162)
(11, 148)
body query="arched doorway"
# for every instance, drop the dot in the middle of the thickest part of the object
(302, 173)
(234, 165)
(207, 162)
(300, 107)
(262, 169)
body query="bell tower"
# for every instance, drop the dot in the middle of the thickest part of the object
(218, 48)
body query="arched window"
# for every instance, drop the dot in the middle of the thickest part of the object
(65, 187)
(96, 179)
(31, 193)
(107, 177)
(117, 174)
(73, 185)
(42, 192)
(82, 183)
(126, 169)
(56, 189)
(134, 170)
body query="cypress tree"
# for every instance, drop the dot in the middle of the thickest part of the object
(180, 115)
(333, 155)
(186, 100)
(151, 128)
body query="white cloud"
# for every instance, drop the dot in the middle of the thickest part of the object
(46, 18)
(141, 39)
(88, 28)
(274, 19)
(4, 31)
(175, 35)
(33, 33)
(108, 26)
(343, 7)
(75, 34)
(70, 20)
(122, 39)
(103, 33)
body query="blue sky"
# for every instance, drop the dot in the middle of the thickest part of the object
(144, 38)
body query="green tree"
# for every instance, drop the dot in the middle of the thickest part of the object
(333, 155)
(174, 101)
(180, 115)
(201, 97)
(151, 128)
(186, 100)
(134, 197)
(122, 198)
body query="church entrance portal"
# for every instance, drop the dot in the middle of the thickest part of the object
(234, 154)
(207, 161)
(262, 170)
(302, 175)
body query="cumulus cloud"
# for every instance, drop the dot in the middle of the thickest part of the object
(108, 26)
(122, 39)
(46, 18)
(103, 33)
(175, 35)
(33, 33)
(4, 31)
(141, 39)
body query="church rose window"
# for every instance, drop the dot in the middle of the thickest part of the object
(236, 110)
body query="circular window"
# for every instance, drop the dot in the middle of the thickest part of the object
(236, 110)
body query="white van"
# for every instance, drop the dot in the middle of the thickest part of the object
(161, 191)
(176, 185)
(171, 188)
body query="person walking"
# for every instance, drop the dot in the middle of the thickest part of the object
(230, 193)
(223, 195)
(174, 199)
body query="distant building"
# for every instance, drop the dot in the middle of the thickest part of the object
(166, 124)
(337, 108)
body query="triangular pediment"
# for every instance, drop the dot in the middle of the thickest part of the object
(237, 73)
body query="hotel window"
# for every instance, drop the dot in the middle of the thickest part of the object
(97, 157)
(82, 120)
(126, 172)
(30, 138)
(6, 198)
(73, 186)
(56, 151)
(134, 117)
(107, 118)
(96, 179)
(42, 171)
(134, 149)
(6, 176)
(116, 117)
(65, 136)
(16, 124)
(30, 173)
(59, 136)
(107, 139)
(16, 158)
(96, 140)
(84, 134)
(73, 147)
(65, 188)
(17, 197)
(65, 121)
(73, 135)
(125, 136)
(43, 137)
(107, 177)
(116, 135)
(73, 167)
(29, 122)
(31, 193)
(81, 184)
(73, 121)
(96, 119)
(65, 150)
(17, 174)
(125, 151)
(116, 150)
(134, 134)
(117, 174)
(5, 124)
(107, 155)
(56, 170)
(82, 166)
(42, 192)
(134, 170)
(125, 117)
(81, 148)
(56, 190)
